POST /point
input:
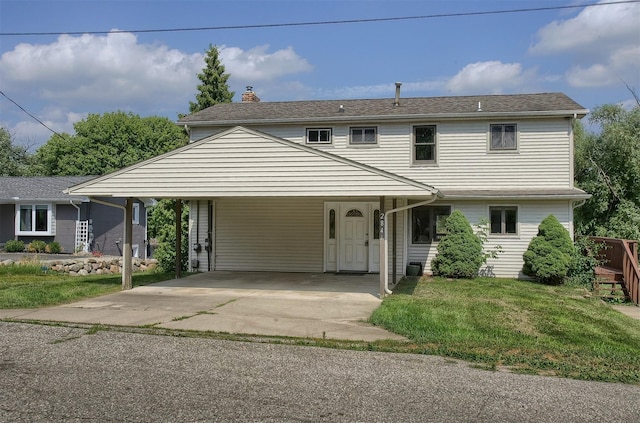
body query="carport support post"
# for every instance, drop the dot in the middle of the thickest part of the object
(383, 250)
(178, 238)
(127, 282)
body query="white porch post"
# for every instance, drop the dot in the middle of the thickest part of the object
(127, 282)
(178, 263)
(383, 250)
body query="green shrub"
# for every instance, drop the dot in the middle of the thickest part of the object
(14, 246)
(550, 253)
(165, 253)
(36, 246)
(53, 248)
(584, 262)
(460, 252)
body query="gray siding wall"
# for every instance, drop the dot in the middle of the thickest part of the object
(7, 222)
(66, 216)
(108, 228)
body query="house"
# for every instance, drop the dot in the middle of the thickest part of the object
(36, 208)
(362, 185)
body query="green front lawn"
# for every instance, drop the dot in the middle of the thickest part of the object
(515, 325)
(28, 286)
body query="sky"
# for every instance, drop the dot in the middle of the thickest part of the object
(82, 67)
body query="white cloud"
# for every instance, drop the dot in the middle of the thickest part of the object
(603, 42)
(256, 64)
(101, 73)
(492, 77)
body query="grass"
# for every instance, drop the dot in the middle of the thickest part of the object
(515, 325)
(29, 286)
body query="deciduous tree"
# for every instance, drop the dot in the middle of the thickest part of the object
(14, 159)
(607, 166)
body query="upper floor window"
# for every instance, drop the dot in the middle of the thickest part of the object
(368, 135)
(33, 219)
(503, 137)
(424, 144)
(319, 136)
(504, 220)
(427, 223)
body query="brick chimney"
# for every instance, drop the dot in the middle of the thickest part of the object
(249, 96)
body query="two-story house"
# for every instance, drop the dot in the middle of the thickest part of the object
(362, 185)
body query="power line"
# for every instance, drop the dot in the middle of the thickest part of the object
(35, 118)
(333, 22)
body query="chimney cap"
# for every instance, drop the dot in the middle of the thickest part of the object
(249, 88)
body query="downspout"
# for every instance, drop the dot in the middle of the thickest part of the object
(394, 247)
(77, 208)
(75, 246)
(385, 286)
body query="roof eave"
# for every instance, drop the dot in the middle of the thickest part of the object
(576, 114)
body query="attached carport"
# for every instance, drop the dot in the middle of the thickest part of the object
(243, 163)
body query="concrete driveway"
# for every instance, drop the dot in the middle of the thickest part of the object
(317, 305)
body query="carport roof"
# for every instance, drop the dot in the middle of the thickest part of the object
(241, 162)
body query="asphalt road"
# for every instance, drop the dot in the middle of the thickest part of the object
(63, 374)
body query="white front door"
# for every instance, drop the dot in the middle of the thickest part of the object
(354, 238)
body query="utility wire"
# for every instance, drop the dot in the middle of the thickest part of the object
(24, 110)
(333, 22)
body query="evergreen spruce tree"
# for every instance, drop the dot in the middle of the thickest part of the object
(550, 253)
(214, 88)
(459, 251)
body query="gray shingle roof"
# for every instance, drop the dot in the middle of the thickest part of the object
(13, 188)
(424, 107)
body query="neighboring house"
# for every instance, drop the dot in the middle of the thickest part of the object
(307, 186)
(37, 208)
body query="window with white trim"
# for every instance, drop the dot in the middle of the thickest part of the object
(503, 137)
(364, 135)
(503, 220)
(424, 144)
(319, 136)
(33, 219)
(427, 223)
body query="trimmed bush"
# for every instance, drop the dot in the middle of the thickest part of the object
(36, 246)
(460, 253)
(14, 246)
(53, 248)
(550, 253)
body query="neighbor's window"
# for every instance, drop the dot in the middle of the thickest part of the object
(503, 137)
(504, 220)
(364, 135)
(135, 219)
(33, 219)
(427, 223)
(424, 144)
(319, 136)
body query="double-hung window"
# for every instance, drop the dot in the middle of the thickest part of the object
(503, 220)
(503, 137)
(427, 223)
(33, 219)
(319, 136)
(424, 144)
(364, 136)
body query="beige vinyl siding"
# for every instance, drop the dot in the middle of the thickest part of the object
(543, 158)
(509, 262)
(198, 236)
(243, 163)
(269, 234)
